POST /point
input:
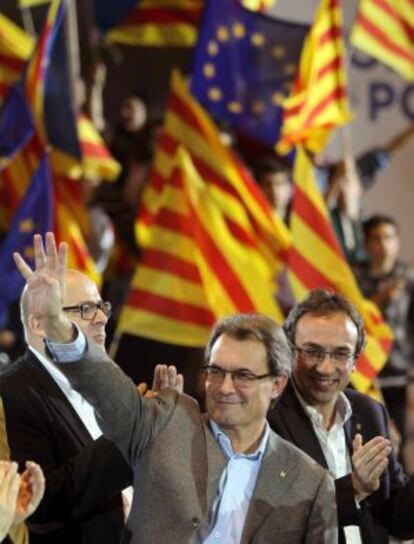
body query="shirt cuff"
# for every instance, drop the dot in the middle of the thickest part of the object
(69, 352)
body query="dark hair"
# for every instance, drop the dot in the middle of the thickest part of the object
(322, 302)
(375, 220)
(270, 165)
(259, 327)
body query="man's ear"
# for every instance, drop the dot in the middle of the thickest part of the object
(35, 326)
(278, 385)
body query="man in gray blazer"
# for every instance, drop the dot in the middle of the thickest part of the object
(224, 477)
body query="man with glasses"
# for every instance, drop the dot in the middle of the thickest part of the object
(220, 478)
(343, 430)
(49, 422)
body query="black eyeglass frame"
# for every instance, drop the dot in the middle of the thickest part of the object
(104, 305)
(249, 377)
(322, 353)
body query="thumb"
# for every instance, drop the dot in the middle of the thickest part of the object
(357, 442)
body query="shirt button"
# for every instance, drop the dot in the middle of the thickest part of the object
(195, 522)
(217, 534)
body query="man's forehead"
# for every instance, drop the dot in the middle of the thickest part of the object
(335, 326)
(80, 289)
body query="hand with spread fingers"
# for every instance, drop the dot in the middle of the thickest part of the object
(31, 491)
(9, 489)
(164, 377)
(369, 461)
(46, 287)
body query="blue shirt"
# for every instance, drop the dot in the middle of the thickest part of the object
(236, 487)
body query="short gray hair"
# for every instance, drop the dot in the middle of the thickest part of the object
(259, 327)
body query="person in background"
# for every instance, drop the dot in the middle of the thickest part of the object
(274, 178)
(388, 280)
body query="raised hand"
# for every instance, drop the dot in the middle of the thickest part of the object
(369, 462)
(164, 377)
(31, 491)
(9, 488)
(46, 287)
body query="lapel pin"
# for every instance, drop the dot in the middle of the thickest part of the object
(282, 474)
(358, 427)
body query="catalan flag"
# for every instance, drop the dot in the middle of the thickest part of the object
(258, 5)
(160, 23)
(199, 210)
(316, 260)
(97, 161)
(384, 29)
(71, 225)
(318, 102)
(15, 48)
(244, 67)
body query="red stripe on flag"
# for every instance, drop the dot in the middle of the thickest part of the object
(143, 15)
(94, 150)
(184, 112)
(365, 368)
(217, 262)
(383, 39)
(332, 34)
(161, 260)
(332, 66)
(172, 220)
(399, 19)
(309, 214)
(13, 63)
(167, 307)
(307, 273)
(337, 94)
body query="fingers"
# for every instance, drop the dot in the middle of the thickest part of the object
(39, 252)
(9, 478)
(36, 480)
(51, 251)
(142, 388)
(357, 442)
(167, 377)
(23, 268)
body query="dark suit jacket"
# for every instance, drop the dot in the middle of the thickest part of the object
(82, 502)
(390, 510)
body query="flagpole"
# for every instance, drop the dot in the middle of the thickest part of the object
(72, 34)
(28, 21)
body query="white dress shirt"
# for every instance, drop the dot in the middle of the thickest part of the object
(335, 450)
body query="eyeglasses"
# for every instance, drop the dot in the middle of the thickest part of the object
(241, 378)
(315, 356)
(88, 310)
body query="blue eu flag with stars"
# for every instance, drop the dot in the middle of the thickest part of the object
(244, 66)
(34, 215)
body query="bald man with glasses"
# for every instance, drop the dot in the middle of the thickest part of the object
(48, 422)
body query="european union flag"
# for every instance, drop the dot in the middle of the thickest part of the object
(35, 215)
(16, 123)
(244, 66)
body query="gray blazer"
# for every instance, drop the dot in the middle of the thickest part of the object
(177, 465)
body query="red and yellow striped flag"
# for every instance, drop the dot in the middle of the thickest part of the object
(97, 161)
(385, 30)
(258, 5)
(16, 47)
(316, 260)
(318, 102)
(71, 224)
(188, 274)
(160, 23)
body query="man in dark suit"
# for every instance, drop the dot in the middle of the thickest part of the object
(48, 422)
(343, 430)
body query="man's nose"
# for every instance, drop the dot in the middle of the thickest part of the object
(100, 317)
(326, 364)
(227, 384)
